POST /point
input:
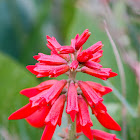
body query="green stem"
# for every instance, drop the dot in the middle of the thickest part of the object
(72, 129)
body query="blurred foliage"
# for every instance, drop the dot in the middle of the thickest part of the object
(23, 26)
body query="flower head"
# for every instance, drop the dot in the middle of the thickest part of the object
(47, 100)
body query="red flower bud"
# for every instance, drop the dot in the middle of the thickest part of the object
(74, 65)
(82, 39)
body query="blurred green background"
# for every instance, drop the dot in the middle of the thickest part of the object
(24, 25)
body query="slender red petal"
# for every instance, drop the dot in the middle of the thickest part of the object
(90, 94)
(72, 104)
(104, 118)
(107, 121)
(30, 92)
(48, 132)
(82, 39)
(56, 111)
(101, 135)
(23, 112)
(37, 119)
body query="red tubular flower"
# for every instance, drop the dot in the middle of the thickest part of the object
(54, 118)
(50, 93)
(42, 70)
(90, 94)
(50, 59)
(47, 100)
(103, 74)
(30, 92)
(84, 118)
(82, 39)
(54, 45)
(72, 104)
(102, 90)
(101, 135)
(104, 118)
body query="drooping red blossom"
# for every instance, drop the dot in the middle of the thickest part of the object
(72, 103)
(47, 100)
(104, 118)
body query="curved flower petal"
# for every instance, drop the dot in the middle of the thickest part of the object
(23, 112)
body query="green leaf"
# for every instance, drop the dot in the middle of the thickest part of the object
(14, 78)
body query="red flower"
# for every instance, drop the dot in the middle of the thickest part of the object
(47, 100)
(72, 104)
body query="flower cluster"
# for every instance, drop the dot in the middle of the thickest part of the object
(47, 100)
